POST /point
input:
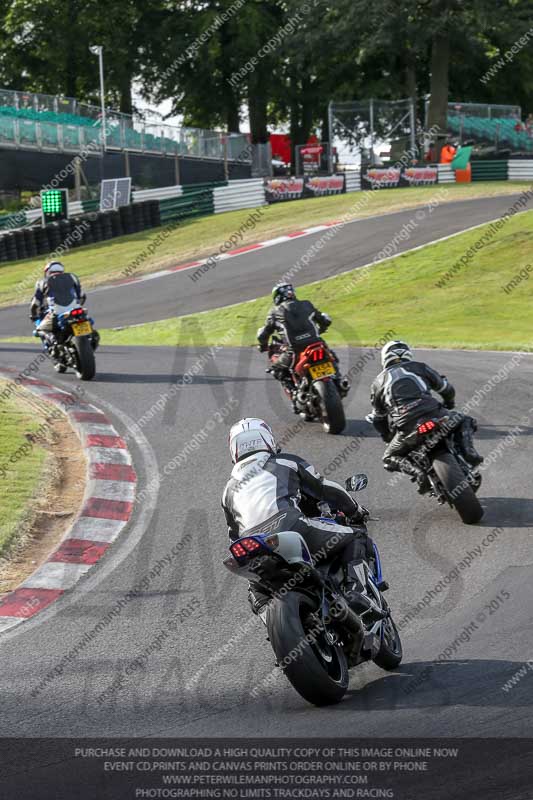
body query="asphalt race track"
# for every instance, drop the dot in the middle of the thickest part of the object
(420, 542)
(253, 274)
(199, 680)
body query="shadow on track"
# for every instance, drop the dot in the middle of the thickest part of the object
(437, 684)
(507, 512)
(168, 379)
(486, 432)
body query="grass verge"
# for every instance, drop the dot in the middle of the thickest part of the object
(476, 308)
(129, 256)
(21, 465)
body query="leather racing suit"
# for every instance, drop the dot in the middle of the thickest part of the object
(401, 397)
(274, 492)
(300, 323)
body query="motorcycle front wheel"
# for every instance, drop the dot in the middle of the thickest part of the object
(316, 667)
(390, 653)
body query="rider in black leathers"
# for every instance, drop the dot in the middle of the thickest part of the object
(300, 324)
(401, 398)
(267, 491)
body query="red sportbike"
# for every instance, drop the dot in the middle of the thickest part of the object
(315, 386)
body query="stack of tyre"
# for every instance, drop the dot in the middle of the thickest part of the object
(81, 230)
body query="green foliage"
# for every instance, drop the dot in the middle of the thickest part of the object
(189, 52)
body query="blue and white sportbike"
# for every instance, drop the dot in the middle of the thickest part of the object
(316, 635)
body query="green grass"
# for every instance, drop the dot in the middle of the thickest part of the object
(399, 295)
(107, 261)
(22, 478)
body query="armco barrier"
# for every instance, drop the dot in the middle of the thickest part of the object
(163, 193)
(489, 170)
(353, 180)
(520, 170)
(239, 194)
(446, 173)
(190, 205)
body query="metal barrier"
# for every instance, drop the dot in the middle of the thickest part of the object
(489, 170)
(163, 193)
(353, 180)
(446, 173)
(520, 170)
(239, 194)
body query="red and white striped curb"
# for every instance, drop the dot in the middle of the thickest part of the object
(230, 254)
(107, 506)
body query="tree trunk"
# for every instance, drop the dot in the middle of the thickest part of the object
(126, 103)
(324, 126)
(71, 56)
(438, 104)
(257, 109)
(233, 121)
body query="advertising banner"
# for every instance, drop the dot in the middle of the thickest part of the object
(419, 176)
(376, 178)
(323, 186)
(311, 156)
(278, 189)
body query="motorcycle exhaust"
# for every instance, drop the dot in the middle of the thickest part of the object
(341, 612)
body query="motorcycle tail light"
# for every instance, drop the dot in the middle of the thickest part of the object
(426, 427)
(76, 312)
(318, 354)
(250, 545)
(238, 550)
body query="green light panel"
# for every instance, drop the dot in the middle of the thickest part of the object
(52, 201)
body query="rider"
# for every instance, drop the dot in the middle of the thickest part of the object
(301, 324)
(57, 287)
(273, 492)
(401, 397)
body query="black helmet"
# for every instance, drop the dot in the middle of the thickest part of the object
(283, 291)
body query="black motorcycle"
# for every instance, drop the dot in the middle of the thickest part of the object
(451, 478)
(72, 343)
(316, 636)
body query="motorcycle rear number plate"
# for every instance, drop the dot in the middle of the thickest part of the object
(81, 328)
(321, 370)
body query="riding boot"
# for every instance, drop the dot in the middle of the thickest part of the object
(465, 440)
(409, 467)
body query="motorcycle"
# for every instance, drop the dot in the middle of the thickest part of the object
(316, 635)
(316, 391)
(73, 342)
(452, 479)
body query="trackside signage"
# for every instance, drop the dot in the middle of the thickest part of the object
(278, 189)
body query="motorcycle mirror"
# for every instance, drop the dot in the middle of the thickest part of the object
(357, 482)
(370, 418)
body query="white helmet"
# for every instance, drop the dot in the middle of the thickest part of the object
(52, 268)
(250, 435)
(395, 351)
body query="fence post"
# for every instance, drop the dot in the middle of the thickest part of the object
(330, 126)
(412, 122)
(226, 170)
(371, 130)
